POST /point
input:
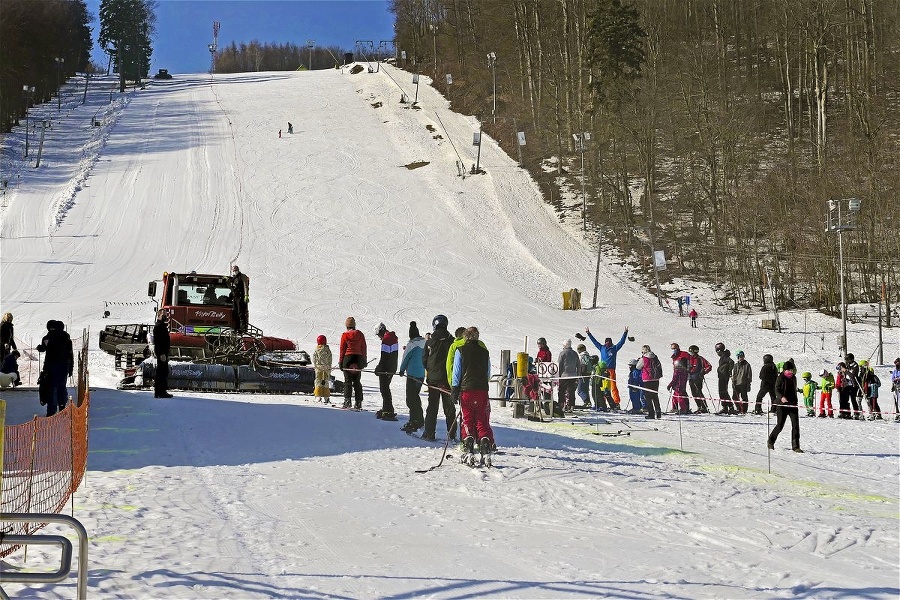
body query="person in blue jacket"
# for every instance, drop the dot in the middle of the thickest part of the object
(412, 367)
(608, 352)
(635, 383)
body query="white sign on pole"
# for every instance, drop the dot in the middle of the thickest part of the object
(415, 78)
(476, 138)
(403, 54)
(521, 136)
(449, 79)
(659, 260)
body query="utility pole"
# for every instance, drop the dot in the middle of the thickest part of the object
(213, 48)
(310, 44)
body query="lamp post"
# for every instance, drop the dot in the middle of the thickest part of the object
(836, 222)
(27, 94)
(492, 65)
(59, 66)
(310, 44)
(580, 141)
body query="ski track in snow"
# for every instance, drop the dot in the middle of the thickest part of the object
(262, 496)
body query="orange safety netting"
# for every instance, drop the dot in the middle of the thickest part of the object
(44, 460)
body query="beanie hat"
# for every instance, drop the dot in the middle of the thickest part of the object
(789, 365)
(413, 330)
(320, 341)
(350, 323)
(380, 329)
(582, 348)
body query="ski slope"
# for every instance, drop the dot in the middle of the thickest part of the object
(246, 496)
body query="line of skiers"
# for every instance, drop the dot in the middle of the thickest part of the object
(592, 377)
(456, 369)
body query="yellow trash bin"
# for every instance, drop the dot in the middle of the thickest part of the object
(567, 300)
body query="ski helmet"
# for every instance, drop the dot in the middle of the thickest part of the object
(807, 375)
(767, 358)
(632, 362)
(693, 348)
(720, 347)
(823, 373)
(740, 354)
(320, 341)
(440, 322)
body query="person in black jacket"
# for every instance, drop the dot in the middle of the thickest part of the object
(435, 360)
(385, 369)
(724, 370)
(240, 297)
(786, 407)
(59, 363)
(768, 373)
(161, 347)
(7, 336)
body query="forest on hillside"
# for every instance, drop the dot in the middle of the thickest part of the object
(718, 129)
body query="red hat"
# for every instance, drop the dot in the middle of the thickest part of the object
(321, 340)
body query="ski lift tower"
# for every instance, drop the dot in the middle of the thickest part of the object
(213, 48)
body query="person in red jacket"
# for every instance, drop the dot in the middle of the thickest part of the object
(352, 360)
(544, 355)
(387, 366)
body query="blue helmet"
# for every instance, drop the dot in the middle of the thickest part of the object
(440, 322)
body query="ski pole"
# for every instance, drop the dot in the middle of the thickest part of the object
(446, 445)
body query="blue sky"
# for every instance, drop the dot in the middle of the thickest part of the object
(184, 27)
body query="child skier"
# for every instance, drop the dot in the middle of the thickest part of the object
(809, 394)
(635, 393)
(827, 385)
(322, 364)
(603, 401)
(870, 384)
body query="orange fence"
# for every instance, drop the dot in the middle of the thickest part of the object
(44, 460)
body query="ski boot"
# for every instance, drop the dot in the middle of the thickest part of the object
(467, 456)
(411, 427)
(347, 403)
(485, 448)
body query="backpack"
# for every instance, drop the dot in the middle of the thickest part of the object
(586, 367)
(655, 368)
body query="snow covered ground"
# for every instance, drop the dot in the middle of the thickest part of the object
(267, 496)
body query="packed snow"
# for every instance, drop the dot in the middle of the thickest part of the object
(278, 496)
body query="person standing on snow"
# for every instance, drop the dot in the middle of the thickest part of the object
(786, 407)
(895, 387)
(809, 394)
(7, 336)
(162, 344)
(651, 372)
(724, 370)
(240, 297)
(768, 373)
(870, 384)
(569, 372)
(635, 393)
(385, 369)
(608, 352)
(413, 369)
(826, 383)
(458, 341)
(471, 374)
(693, 316)
(321, 360)
(742, 379)
(698, 367)
(434, 359)
(583, 390)
(59, 364)
(352, 360)
(678, 385)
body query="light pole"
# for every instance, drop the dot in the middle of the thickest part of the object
(59, 65)
(836, 223)
(27, 94)
(580, 141)
(492, 65)
(310, 44)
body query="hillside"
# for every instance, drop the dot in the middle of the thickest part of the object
(252, 496)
